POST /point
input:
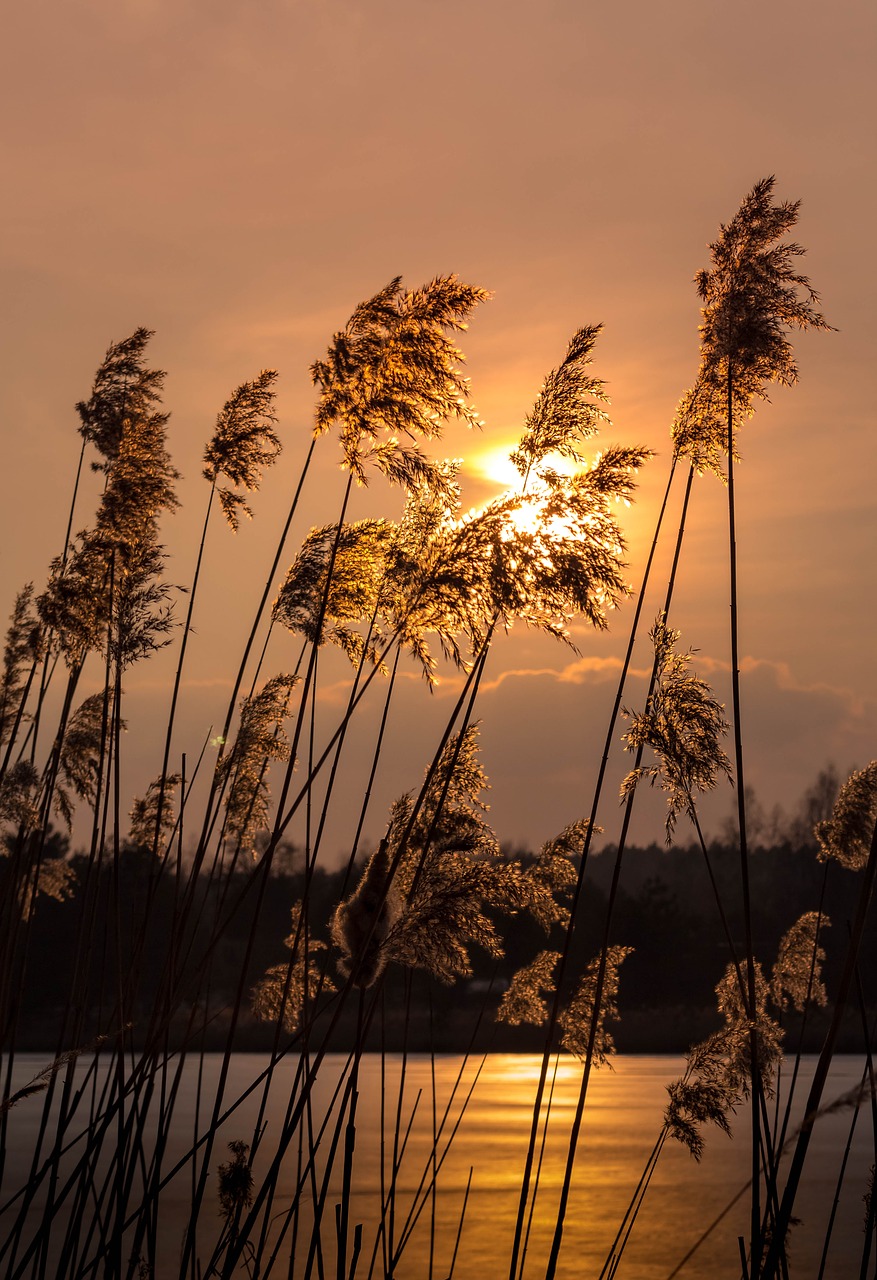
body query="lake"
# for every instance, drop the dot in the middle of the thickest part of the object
(622, 1121)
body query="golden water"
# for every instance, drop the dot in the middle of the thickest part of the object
(622, 1121)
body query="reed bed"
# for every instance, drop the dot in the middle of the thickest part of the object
(147, 1001)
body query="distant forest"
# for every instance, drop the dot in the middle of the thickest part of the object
(666, 912)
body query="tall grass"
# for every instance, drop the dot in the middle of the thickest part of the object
(427, 585)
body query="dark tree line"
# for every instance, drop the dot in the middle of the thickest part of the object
(666, 912)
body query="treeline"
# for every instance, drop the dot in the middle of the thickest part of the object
(666, 911)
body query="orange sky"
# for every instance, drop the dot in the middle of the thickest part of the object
(237, 179)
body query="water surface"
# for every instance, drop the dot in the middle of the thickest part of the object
(481, 1109)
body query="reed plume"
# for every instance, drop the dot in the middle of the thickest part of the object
(22, 650)
(361, 924)
(144, 815)
(683, 725)
(260, 738)
(124, 388)
(796, 975)
(846, 836)
(282, 993)
(752, 296)
(79, 759)
(393, 369)
(564, 414)
(431, 891)
(112, 573)
(717, 1075)
(243, 443)
(18, 796)
(582, 1024)
(324, 608)
(523, 1000)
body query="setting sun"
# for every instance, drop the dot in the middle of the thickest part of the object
(495, 466)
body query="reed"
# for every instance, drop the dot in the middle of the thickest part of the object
(159, 973)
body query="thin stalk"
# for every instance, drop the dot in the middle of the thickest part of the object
(610, 907)
(460, 1225)
(755, 1219)
(822, 1067)
(554, 1011)
(269, 582)
(178, 674)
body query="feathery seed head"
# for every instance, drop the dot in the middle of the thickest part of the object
(280, 996)
(683, 725)
(243, 442)
(848, 834)
(752, 296)
(360, 925)
(260, 739)
(797, 973)
(577, 1018)
(235, 1182)
(523, 1000)
(79, 758)
(144, 814)
(394, 369)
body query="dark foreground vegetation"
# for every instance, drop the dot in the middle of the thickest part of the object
(128, 960)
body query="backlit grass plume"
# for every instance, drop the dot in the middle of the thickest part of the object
(393, 371)
(683, 725)
(564, 414)
(235, 1182)
(357, 554)
(22, 650)
(124, 389)
(541, 558)
(739, 1028)
(797, 974)
(243, 443)
(704, 1094)
(18, 796)
(80, 754)
(752, 296)
(449, 880)
(542, 555)
(700, 426)
(718, 1072)
(524, 998)
(260, 739)
(846, 836)
(361, 924)
(144, 814)
(281, 994)
(112, 574)
(578, 1016)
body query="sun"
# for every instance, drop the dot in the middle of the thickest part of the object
(495, 467)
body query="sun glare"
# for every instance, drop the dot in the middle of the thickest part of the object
(495, 466)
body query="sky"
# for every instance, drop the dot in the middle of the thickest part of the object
(238, 178)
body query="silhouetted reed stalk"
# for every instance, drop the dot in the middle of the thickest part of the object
(755, 1222)
(867, 1085)
(820, 1075)
(613, 890)
(425, 1193)
(872, 1090)
(516, 1267)
(309, 681)
(780, 1131)
(466, 699)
